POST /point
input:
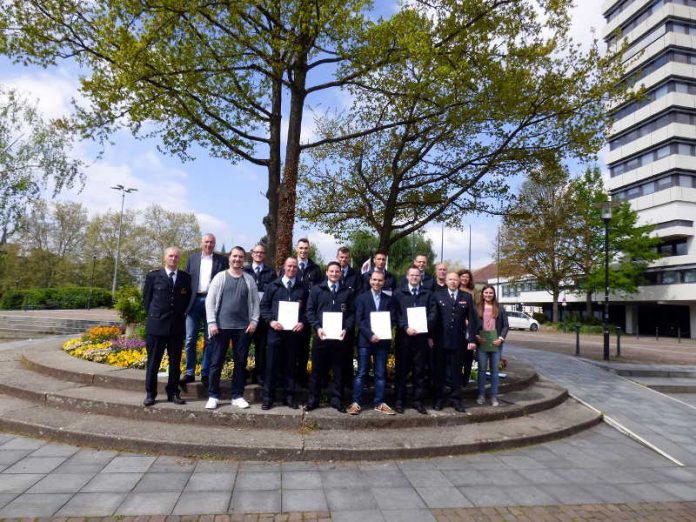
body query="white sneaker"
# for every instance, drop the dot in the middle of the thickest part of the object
(240, 403)
(212, 403)
(494, 402)
(481, 400)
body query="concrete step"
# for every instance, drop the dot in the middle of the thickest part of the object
(643, 370)
(105, 431)
(668, 384)
(48, 325)
(76, 395)
(51, 360)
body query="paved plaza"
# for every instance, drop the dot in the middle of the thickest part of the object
(642, 467)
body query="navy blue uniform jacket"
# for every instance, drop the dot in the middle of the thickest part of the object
(425, 298)
(264, 277)
(452, 329)
(389, 281)
(364, 304)
(166, 306)
(275, 292)
(321, 300)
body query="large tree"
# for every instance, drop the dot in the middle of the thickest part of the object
(34, 155)
(537, 233)
(495, 87)
(631, 247)
(215, 74)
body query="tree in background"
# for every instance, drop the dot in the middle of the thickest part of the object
(494, 88)
(363, 245)
(536, 234)
(631, 248)
(34, 154)
(57, 244)
(554, 234)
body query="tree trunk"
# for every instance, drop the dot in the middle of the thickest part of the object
(555, 314)
(271, 219)
(588, 303)
(288, 187)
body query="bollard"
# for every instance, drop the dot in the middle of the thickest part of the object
(577, 339)
(618, 341)
(679, 334)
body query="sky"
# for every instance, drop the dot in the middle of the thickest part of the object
(227, 199)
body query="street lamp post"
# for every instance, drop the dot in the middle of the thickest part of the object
(123, 191)
(91, 284)
(606, 217)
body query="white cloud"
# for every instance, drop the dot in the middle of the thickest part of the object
(587, 21)
(456, 242)
(51, 91)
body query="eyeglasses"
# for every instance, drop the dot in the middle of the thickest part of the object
(258, 252)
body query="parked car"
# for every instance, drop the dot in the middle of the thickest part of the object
(522, 321)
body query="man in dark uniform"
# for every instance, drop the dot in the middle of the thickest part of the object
(283, 339)
(456, 330)
(202, 266)
(263, 275)
(426, 280)
(412, 346)
(309, 275)
(379, 264)
(353, 280)
(329, 296)
(165, 298)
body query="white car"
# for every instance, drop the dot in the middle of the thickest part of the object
(522, 321)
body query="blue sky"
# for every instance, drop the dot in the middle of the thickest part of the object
(227, 199)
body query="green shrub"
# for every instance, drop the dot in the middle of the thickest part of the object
(539, 316)
(51, 298)
(129, 303)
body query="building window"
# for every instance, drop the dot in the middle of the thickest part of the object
(674, 247)
(649, 187)
(652, 126)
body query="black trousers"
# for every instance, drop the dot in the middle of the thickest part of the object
(259, 338)
(303, 357)
(448, 370)
(327, 355)
(281, 363)
(411, 355)
(156, 345)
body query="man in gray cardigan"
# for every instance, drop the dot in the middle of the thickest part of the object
(232, 311)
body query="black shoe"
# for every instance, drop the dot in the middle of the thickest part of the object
(149, 401)
(266, 405)
(176, 400)
(399, 407)
(291, 403)
(311, 406)
(437, 406)
(459, 407)
(204, 381)
(186, 379)
(420, 408)
(338, 407)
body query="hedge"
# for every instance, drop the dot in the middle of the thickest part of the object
(55, 298)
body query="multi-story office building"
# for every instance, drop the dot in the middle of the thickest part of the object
(652, 164)
(652, 152)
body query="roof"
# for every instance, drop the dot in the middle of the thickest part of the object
(483, 274)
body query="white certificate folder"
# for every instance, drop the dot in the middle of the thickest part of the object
(380, 324)
(417, 319)
(332, 324)
(288, 314)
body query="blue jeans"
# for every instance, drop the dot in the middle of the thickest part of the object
(379, 350)
(195, 320)
(240, 350)
(483, 359)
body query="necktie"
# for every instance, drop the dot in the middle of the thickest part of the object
(258, 270)
(345, 271)
(303, 265)
(414, 292)
(452, 296)
(289, 284)
(333, 290)
(171, 279)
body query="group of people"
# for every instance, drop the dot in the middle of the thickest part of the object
(438, 326)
